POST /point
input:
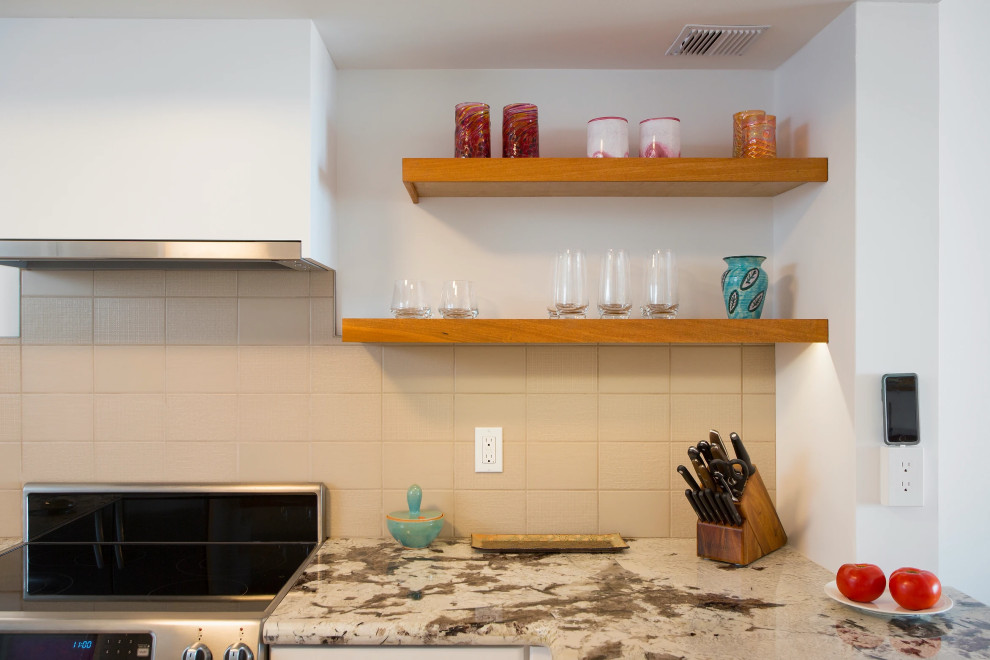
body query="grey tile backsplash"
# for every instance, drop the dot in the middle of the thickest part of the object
(223, 376)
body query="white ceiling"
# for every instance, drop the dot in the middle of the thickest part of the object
(497, 34)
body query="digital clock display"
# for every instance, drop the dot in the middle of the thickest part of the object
(82, 646)
(50, 647)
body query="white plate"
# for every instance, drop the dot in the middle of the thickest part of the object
(885, 605)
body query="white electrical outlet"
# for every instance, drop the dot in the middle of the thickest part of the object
(900, 476)
(488, 449)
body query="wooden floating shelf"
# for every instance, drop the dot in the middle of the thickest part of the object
(608, 177)
(585, 331)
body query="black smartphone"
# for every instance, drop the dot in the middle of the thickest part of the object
(901, 425)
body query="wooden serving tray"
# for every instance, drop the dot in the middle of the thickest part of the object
(548, 542)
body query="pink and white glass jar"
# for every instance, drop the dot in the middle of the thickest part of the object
(608, 137)
(660, 137)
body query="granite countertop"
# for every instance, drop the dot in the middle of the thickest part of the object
(655, 600)
(8, 542)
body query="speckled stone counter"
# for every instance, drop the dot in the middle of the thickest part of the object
(654, 600)
(8, 542)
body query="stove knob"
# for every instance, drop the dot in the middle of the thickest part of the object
(197, 651)
(238, 651)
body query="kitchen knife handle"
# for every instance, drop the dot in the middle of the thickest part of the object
(733, 512)
(705, 449)
(709, 495)
(723, 509)
(715, 439)
(705, 476)
(699, 467)
(740, 449)
(700, 504)
(706, 506)
(694, 505)
(684, 472)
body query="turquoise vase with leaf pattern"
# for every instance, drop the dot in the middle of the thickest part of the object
(744, 287)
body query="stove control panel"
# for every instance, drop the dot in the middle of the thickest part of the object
(161, 636)
(136, 646)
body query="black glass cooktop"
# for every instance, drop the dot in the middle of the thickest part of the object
(219, 570)
(158, 551)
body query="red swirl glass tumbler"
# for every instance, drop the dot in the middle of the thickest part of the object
(472, 131)
(520, 131)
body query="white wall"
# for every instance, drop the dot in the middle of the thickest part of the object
(863, 253)
(323, 152)
(896, 263)
(964, 292)
(505, 244)
(814, 234)
(153, 129)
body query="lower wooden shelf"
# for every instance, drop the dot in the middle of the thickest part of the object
(585, 331)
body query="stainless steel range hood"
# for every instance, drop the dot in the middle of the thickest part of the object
(235, 255)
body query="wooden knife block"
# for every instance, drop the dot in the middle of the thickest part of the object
(760, 534)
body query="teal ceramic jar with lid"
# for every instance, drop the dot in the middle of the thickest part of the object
(414, 528)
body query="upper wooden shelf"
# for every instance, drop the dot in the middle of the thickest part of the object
(608, 177)
(586, 331)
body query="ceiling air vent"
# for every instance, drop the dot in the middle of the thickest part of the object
(715, 39)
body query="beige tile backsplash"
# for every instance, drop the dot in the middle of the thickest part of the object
(57, 369)
(132, 283)
(224, 376)
(129, 321)
(201, 321)
(207, 283)
(273, 321)
(10, 419)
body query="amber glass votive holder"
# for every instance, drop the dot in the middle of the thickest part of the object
(769, 138)
(472, 131)
(760, 138)
(520, 131)
(740, 121)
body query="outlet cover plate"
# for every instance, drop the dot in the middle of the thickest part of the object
(488, 449)
(901, 481)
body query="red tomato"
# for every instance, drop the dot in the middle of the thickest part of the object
(914, 589)
(860, 582)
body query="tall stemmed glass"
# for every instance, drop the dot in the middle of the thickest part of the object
(614, 294)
